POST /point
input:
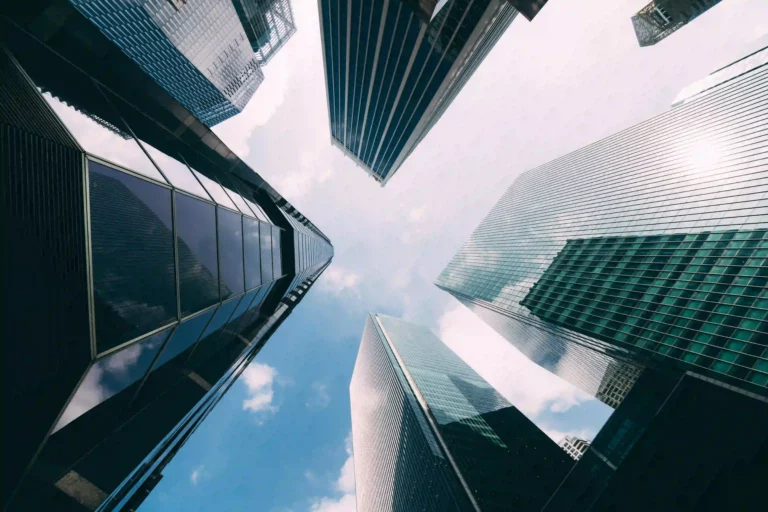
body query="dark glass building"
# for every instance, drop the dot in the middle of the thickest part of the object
(660, 18)
(391, 72)
(268, 24)
(647, 248)
(197, 50)
(430, 434)
(147, 266)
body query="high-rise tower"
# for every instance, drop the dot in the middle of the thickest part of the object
(430, 434)
(393, 67)
(661, 18)
(149, 265)
(647, 247)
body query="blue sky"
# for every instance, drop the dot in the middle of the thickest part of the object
(279, 440)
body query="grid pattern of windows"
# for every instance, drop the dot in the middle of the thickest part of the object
(696, 172)
(699, 298)
(267, 23)
(660, 18)
(197, 51)
(390, 76)
(574, 446)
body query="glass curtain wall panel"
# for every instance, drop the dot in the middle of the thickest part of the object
(645, 248)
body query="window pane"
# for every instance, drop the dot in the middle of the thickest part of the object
(252, 254)
(231, 253)
(108, 140)
(133, 264)
(256, 210)
(238, 200)
(276, 258)
(266, 252)
(215, 190)
(198, 263)
(176, 171)
(112, 374)
(183, 337)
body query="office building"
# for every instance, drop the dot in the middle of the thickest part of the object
(197, 50)
(391, 72)
(660, 18)
(147, 266)
(574, 446)
(430, 434)
(678, 442)
(268, 24)
(645, 248)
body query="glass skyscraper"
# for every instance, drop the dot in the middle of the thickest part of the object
(390, 74)
(197, 50)
(661, 18)
(430, 434)
(147, 266)
(646, 248)
(268, 25)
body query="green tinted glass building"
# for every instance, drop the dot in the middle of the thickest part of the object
(646, 248)
(430, 434)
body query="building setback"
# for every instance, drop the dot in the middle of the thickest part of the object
(196, 50)
(390, 73)
(661, 18)
(430, 434)
(149, 267)
(646, 248)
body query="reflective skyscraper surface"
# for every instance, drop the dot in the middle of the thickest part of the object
(390, 74)
(268, 25)
(648, 247)
(430, 434)
(661, 18)
(157, 264)
(197, 50)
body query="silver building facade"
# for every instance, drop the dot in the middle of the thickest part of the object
(268, 24)
(647, 247)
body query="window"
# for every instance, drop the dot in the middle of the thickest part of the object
(198, 262)
(230, 253)
(252, 253)
(265, 231)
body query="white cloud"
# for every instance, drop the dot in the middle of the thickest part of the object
(319, 397)
(196, 474)
(526, 385)
(259, 380)
(337, 279)
(345, 484)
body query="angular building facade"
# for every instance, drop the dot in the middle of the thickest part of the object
(268, 24)
(574, 446)
(430, 434)
(196, 50)
(149, 266)
(646, 248)
(390, 74)
(661, 18)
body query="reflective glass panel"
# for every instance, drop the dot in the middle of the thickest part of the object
(238, 200)
(112, 374)
(198, 264)
(185, 335)
(256, 210)
(176, 171)
(252, 253)
(108, 140)
(266, 252)
(276, 259)
(220, 318)
(133, 262)
(245, 303)
(231, 253)
(215, 190)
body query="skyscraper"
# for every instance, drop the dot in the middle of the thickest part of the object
(197, 50)
(268, 25)
(430, 434)
(574, 446)
(149, 267)
(646, 248)
(660, 18)
(391, 72)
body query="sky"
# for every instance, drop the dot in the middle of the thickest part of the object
(279, 441)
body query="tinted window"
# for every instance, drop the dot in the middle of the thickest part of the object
(112, 374)
(183, 337)
(231, 253)
(252, 253)
(198, 264)
(215, 190)
(133, 262)
(266, 252)
(176, 171)
(276, 259)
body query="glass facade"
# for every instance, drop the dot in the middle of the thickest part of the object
(660, 18)
(197, 51)
(267, 23)
(417, 405)
(647, 247)
(390, 75)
